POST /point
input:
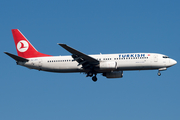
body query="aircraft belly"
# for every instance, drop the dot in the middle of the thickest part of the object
(62, 67)
(134, 65)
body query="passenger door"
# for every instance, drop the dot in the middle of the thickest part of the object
(39, 63)
(155, 58)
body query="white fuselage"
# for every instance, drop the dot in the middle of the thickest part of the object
(125, 61)
(110, 65)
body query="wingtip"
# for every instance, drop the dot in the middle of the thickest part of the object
(61, 44)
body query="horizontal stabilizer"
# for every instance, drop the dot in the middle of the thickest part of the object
(17, 58)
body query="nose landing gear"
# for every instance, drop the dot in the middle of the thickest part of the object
(159, 74)
(161, 69)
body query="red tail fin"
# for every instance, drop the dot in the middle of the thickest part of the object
(24, 47)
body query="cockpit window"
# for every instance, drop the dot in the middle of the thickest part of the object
(165, 57)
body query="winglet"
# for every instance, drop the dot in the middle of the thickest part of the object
(17, 58)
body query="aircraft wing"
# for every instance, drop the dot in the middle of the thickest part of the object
(83, 59)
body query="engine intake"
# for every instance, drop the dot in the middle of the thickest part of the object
(114, 74)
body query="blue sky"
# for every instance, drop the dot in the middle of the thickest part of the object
(92, 27)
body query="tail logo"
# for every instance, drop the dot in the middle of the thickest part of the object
(22, 46)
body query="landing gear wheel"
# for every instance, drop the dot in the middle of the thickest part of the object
(89, 74)
(159, 74)
(94, 78)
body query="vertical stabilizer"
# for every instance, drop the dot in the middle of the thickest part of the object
(24, 48)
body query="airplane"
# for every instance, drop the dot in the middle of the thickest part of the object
(109, 65)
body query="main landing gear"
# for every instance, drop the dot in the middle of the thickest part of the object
(90, 74)
(94, 78)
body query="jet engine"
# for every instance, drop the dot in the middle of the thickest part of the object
(114, 74)
(108, 65)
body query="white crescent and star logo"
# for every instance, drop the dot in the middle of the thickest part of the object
(22, 46)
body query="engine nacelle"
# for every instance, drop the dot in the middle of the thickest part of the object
(109, 65)
(114, 74)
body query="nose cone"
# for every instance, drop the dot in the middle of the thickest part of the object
(173, 62)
